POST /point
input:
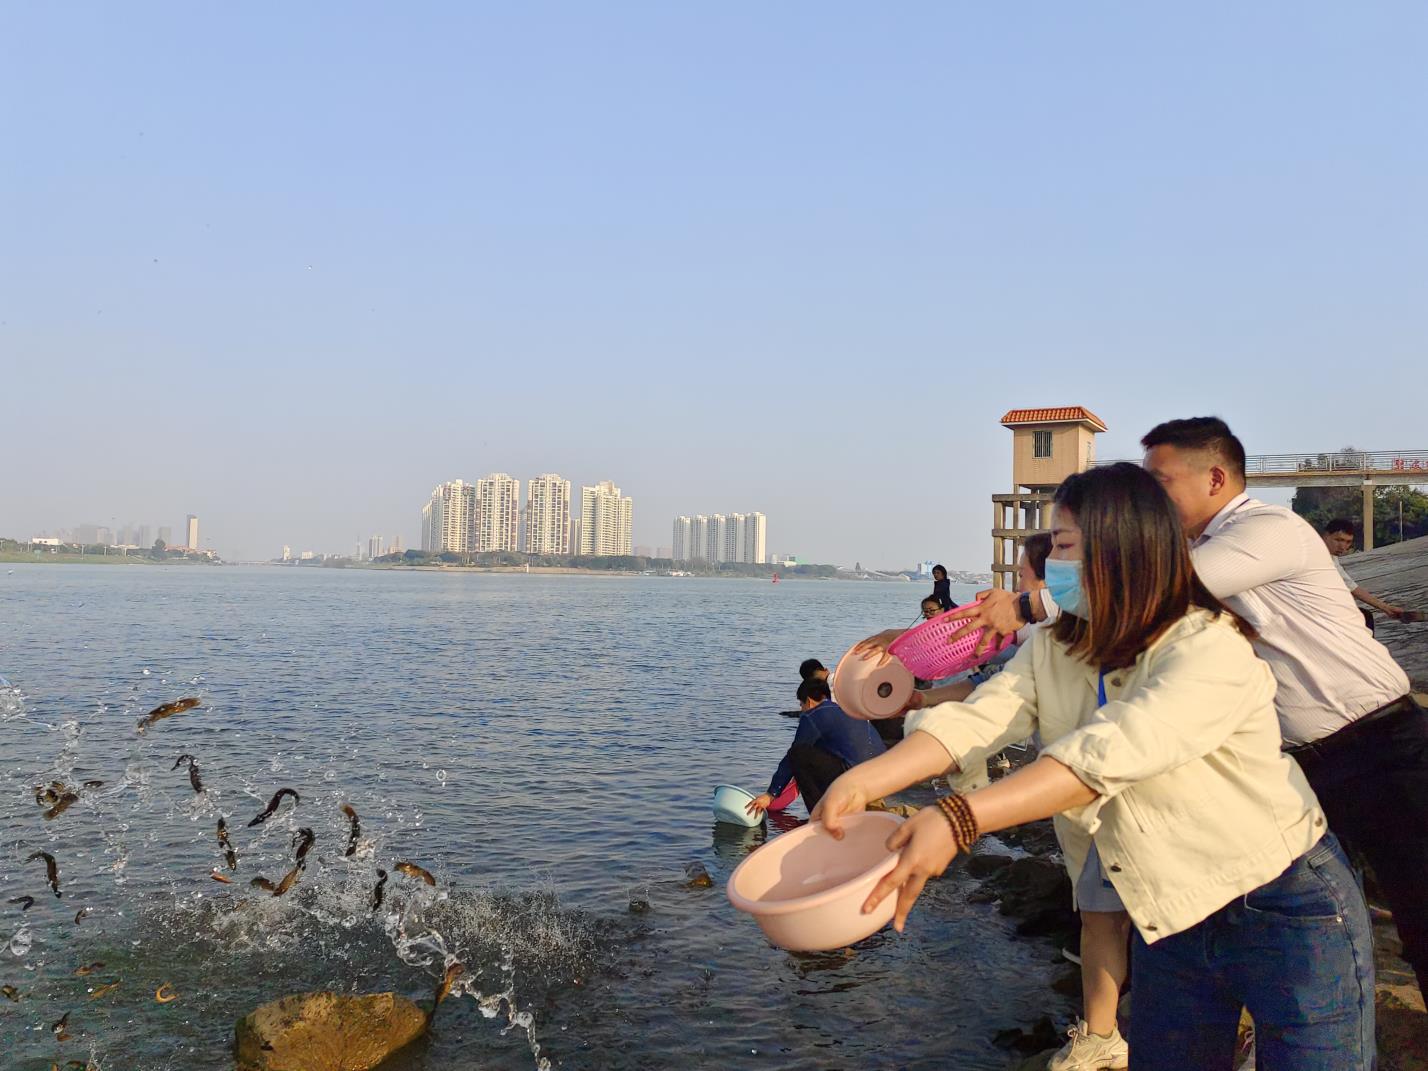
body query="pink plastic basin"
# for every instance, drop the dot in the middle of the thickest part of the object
(926, 652)
(869, 691)
(806, 890)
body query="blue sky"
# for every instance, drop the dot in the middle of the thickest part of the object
(289, 266)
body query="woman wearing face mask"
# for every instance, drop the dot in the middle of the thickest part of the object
(1165, 771)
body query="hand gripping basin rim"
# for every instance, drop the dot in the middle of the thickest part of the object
(806, 890)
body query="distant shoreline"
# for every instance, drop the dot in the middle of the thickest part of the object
(11, 557)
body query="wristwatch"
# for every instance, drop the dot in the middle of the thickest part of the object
(1023, 607)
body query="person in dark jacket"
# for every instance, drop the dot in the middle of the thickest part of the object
(941, 587)
(826, 743)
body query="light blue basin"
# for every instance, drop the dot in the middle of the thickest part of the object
(729, 804)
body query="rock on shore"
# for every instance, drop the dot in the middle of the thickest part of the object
(326, 1032)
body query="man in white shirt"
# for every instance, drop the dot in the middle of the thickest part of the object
(1344, 705)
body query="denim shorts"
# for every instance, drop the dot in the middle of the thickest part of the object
(1094, 891)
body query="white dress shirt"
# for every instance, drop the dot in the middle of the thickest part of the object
(1271, 568)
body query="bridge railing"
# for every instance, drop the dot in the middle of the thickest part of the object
(1338, 461)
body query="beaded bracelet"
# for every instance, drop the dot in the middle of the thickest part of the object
(958, 813)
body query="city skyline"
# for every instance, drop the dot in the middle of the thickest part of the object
(815, 286)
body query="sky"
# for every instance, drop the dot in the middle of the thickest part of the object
(288, 267)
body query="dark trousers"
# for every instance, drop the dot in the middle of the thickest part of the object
(814, 769)
(1372, 780)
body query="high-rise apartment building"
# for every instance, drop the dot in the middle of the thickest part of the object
(698, 538)
(681, 539)
(606, 521)
(756, 531)
(498, 513)
(192, 532)
(735, 537)
(167, 535)
(448, 520)
(548, 515)
(714, 543)
(376, 547)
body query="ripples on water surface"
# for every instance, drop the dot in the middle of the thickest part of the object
(545, 745)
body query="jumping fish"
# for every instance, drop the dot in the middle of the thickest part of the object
(103, 989)
(216, 876)
(228, 851)
(165, 994)
(81, 972)
(165, 710)
(262, 883)
(27, 902)
(193, 778)
(51, 868)
(273, 805)
(61, 805)
(303, 842)
(45, 795)
(351, 813)
(377, 891)
(58, 1029)
(411, 870)
(289, 880)
(11, 993)
(80, 914)
(443, 988)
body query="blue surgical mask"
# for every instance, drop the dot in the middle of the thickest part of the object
(1063, 581)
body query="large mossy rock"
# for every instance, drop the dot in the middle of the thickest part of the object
(326, 1032)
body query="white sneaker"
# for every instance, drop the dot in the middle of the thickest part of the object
(1086, 1051)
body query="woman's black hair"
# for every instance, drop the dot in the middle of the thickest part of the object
(1037, 549)
(809, 667)
(815, 688)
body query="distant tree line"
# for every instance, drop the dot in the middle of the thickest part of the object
(1320, 505)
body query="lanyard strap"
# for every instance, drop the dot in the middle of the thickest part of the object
(1101, 690)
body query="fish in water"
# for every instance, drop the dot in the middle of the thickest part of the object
(411, 870)
(61, 805)
(216, 876)
(273, 805)
(51, 869)
(165, 994)
(27, 902)
(80, 914)
(303, 842)
(81, 972)
(443, 988)
(94, 784)
(228, 851)
(289, 880)
(193, 778)
(377, 891)
(58, 1029)
(166, 710)
(262, 883)
(351, 813)
(45, 795)
(103, 989)
(11, 993)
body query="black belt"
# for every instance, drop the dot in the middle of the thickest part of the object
(1349, 734)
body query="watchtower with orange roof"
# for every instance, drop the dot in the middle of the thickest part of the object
(1047, 446)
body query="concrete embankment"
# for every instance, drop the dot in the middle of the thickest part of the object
(1399, 574)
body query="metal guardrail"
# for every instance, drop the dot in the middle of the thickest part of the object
(1345, 461)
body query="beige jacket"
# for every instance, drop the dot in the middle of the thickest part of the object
(1197, 804)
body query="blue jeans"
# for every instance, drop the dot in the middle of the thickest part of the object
(1297, 952)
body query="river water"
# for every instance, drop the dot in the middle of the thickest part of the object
(545, 746)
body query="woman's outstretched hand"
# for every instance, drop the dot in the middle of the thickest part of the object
(994, 612)
(845, 796)
(877, 646)
(927, 847)
(759, 804)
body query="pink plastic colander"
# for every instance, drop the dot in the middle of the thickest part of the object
(926, 652)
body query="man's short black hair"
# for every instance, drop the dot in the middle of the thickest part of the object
(1037, 549)
(815, 688)
(809, 667)
(1341, 524)
(1207, 433)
